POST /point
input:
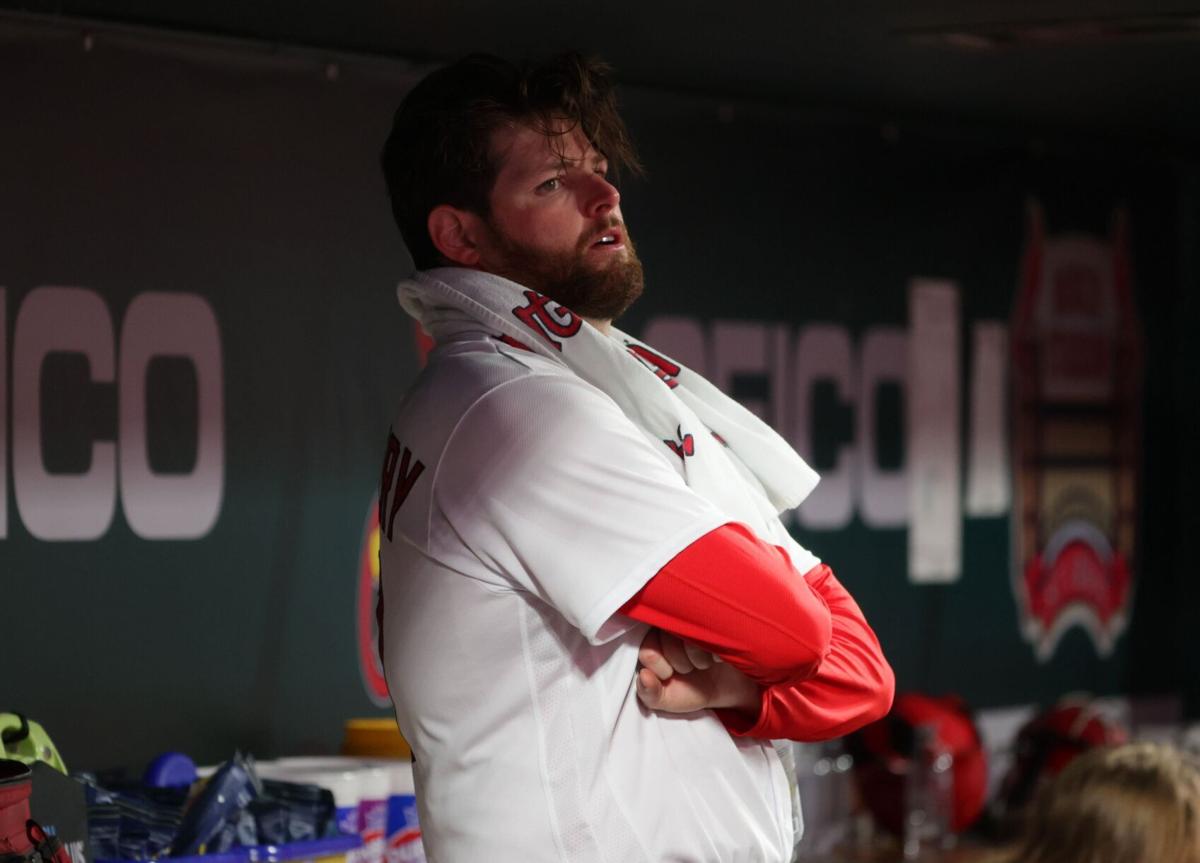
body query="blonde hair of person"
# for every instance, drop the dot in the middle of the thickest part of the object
(1137, 803)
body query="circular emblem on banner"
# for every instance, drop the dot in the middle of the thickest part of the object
(369, 664)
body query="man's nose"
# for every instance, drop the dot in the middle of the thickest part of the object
(600, 196)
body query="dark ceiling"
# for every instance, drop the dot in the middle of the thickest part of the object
(1108, 67)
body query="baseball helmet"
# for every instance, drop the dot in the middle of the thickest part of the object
(1049, 742)
(884, 752)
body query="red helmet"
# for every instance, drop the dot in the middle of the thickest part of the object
(883, 752)
(1049, 742)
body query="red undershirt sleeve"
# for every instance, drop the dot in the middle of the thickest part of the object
(853, 686)
(739, 598)
(802, 639)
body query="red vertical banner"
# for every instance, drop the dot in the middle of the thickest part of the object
(1077, 402)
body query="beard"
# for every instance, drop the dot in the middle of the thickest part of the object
(600, 293)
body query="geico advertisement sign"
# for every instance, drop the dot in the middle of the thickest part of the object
(79, 505)
(779, 371)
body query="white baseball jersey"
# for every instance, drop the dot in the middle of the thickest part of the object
(520, 509)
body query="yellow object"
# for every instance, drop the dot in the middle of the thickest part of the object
(22, 739)
(374, 738)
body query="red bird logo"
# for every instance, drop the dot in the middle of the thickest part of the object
(684, 446)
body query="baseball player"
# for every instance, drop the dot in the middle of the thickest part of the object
(595, 622)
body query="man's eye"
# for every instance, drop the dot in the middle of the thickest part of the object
(550, 185)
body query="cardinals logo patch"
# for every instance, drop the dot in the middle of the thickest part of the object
(683, 446)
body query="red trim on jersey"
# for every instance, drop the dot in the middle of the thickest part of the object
(424, 343)
(803, 639)
(511, 342)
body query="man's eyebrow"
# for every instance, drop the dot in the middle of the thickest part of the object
(554, 163)
(593, 157)
(550, 163)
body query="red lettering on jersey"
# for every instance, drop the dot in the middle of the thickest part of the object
(389, 465)
(660, 365)
(684, 446)
(548, 318)
(397, 480)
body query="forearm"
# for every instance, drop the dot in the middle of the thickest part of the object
(853, 686)
(813, 668)
(740, 599)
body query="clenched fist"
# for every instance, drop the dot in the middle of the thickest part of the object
(677, 677)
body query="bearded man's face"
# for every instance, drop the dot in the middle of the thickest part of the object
(555, 224)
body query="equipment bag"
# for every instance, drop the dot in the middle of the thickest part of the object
(22, 840)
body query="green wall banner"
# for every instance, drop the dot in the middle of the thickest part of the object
(971, 339)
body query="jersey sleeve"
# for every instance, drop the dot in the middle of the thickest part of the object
(554, 491)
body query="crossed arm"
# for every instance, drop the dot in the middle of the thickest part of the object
(797, 658)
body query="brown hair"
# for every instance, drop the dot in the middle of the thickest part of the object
(439, 149)
(1138, 803)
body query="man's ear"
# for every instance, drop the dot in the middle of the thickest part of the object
(453, 234)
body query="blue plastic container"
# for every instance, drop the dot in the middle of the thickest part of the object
(334, 849)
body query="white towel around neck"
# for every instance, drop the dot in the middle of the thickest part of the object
(666, 405)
